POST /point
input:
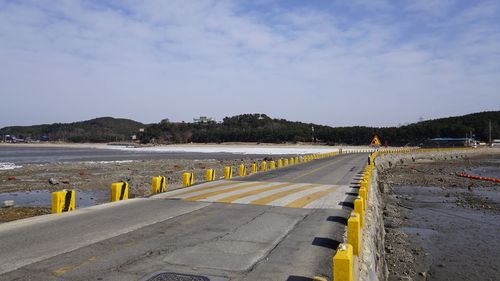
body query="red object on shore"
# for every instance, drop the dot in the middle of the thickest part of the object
(464, 175)
(11, 178)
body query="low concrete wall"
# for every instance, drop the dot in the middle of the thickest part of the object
(372, 261)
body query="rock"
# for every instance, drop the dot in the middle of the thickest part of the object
(423, 273)
(53, 181)
(65, 181)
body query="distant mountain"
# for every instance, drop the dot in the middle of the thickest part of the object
(104, 129)
(260, 128)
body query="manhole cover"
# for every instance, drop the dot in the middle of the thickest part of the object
(172, 276)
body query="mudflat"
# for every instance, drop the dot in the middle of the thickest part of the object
(440, 226)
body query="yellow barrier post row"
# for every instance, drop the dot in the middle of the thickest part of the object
(210, 174)
(63, 201)
(119, 191)
(272, 165)
(263, 166)
(343, 263)
(159, 184)
(291, 162)
(280, 163)
(285, 162)
(242, 170)
(228, 173)
(187, 179)
(254, 168)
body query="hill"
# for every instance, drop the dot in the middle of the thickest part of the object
(104, 129)
(261, 128)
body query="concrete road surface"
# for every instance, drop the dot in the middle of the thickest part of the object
(279, 225)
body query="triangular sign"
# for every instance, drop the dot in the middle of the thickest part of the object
(375, 141)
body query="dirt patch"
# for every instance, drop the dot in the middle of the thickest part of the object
(439, 226)
(11, 214)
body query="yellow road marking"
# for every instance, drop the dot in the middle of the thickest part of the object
(62, 270)
(230, 199)
(272, 197)
(205, 188)
(301, 202)
(213, 193)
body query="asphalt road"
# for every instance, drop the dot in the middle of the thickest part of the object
(252, 236)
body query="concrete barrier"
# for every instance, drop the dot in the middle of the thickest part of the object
(279, 164)
(253, 168)
(359, 209)
(210, 175)
(272, 165)
(343, 263)
(63, 201)
(242, 170)
(263, 166)
(228, 173)
(187, 179)
(119, 191)
(159, 184)
(354, 233)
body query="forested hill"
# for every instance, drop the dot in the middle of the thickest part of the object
(104, 129)
(260, 128)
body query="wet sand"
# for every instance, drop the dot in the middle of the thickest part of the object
(439, 226)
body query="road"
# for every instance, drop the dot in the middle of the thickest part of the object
(279, 225)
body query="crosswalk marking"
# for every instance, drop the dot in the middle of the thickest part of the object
(191, 190)
(301, 202)
(280, 194)
(270, 198)
(213, 193)
(231, 199)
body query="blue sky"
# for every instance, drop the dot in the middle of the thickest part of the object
(375, 63)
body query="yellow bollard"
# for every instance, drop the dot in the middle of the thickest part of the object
(254, 168)
(228, 172)
(364, 195)
(272, 165)
(280, 163)
(285, 162)
(119, 191)
(63, 201)
(263, 166)
(358, 208)
(291, 162)
(343, 263)
(159, 184)
(354, 233)
(187, 179)
(210, 174)
(296, 160)
(242, 170)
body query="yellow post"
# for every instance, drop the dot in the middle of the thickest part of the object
(254, 168)
(364, 195)
(228, 172)
(119, 191)
(210, 175)
(187, 179)
(296, 160)
(272, 165)
(343, 263)
(358, 208)
(242, 170)
(63, 201)
(263, 166)
(285, 162)
(159, 184)
(354, 233)
(280, 163)
(291, 162)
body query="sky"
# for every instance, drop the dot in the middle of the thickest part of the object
(339, 63)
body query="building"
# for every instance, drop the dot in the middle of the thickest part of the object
(203, 120)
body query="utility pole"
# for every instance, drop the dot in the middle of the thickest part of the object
(490, 133)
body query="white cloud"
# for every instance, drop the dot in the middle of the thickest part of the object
(149, 60)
